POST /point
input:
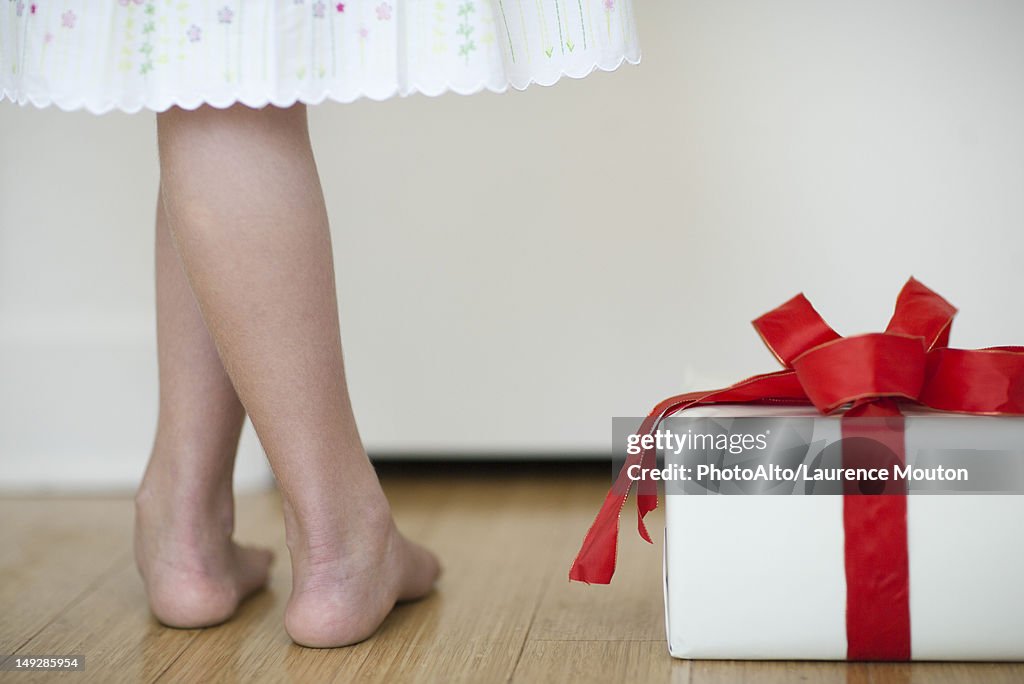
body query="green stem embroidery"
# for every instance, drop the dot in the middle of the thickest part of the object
(127, 40)
(440, 46)
(590, 20)
(558, 20)
(465, 29)
(548, 47)
(583, 25)
(508, 33)
(146, 49)
(163, 39)
(182, 27)
(526, 35)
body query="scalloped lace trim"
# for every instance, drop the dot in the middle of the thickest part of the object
(224, 100)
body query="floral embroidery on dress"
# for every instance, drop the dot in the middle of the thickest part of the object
(440, 46)
(152, 53)
(146, 49)
(465, 30)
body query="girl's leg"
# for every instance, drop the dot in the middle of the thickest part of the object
(194, 574)
(245, 206)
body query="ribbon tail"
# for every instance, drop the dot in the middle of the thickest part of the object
(646, 494)
(595, 561)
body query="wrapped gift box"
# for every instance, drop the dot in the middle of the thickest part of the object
(756, 576)
(866, 570)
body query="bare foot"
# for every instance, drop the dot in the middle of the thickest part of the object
(195, 575)
(344, 587)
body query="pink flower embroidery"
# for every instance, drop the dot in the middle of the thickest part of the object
(318, 9)
(194, 33)
(340, 7)
(48, 38)
(363, 32)
(19, 8)
(32, 8)
(609, 5)
(67, 20)
(225, 15)
(383, 11)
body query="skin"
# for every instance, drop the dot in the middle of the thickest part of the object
(248, 323)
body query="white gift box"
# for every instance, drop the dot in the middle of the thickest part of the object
(763, 577)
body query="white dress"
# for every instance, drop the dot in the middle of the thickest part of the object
(129, 55)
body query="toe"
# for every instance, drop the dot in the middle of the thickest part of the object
(421, 572)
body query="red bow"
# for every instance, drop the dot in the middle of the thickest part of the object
(909, 361)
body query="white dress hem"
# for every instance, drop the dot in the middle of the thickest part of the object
(225, 100)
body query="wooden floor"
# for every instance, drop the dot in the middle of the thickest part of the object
(504, 610)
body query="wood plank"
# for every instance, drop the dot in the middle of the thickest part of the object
(53, 550)
(112, 628)
(504, 608)
(778, 672)
(600, 661)
(946, 673)
(631, 607)
(497, 545)
(111, 625)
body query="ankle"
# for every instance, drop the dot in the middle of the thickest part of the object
(177, 503)
(324, 537)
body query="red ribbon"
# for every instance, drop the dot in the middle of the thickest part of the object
(869, 374)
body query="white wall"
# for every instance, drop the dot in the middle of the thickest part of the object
(517, 269)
